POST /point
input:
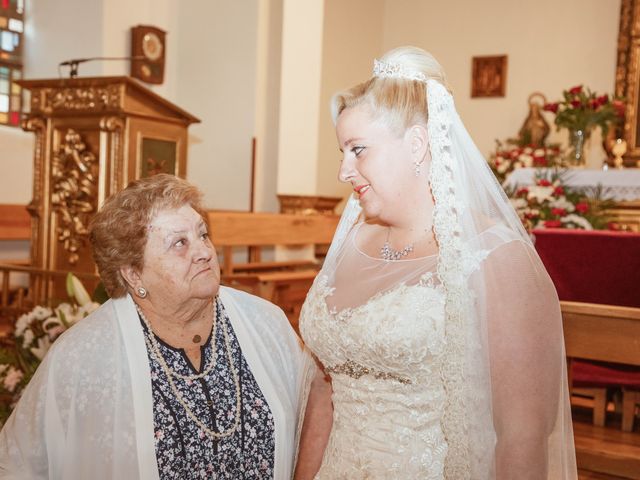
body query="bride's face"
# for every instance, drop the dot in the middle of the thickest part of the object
(378, 162)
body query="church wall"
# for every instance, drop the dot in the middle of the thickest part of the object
(550, 45)
(352, 37)
(216, 68)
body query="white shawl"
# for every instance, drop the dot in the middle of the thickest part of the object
(88, 411)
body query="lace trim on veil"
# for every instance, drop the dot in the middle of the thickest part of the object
(452, 273)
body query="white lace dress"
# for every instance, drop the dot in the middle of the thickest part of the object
(383, 356)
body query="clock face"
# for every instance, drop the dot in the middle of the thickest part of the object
(152, 46)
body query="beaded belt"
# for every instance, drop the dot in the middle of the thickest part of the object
(355, 370)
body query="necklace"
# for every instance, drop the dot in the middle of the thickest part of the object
(154, 349)
(391, 255)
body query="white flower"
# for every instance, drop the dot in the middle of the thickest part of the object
(76, 290)
(577, 220)
(540, 193)
(527, 160)
(518, 203)
(40, 313)
(87, 308)
(538, 152)
(43, 346)
(527, 150)
(12, 379)
(67, 313)
(562, 202)
(503, 167)
(27, 338)
(22, 324)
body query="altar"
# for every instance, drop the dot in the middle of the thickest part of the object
(622, 186)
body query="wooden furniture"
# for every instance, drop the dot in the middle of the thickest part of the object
(612, 334)
(15, 223)
(284, 283)
(602, 333)
(596, 267)
(93, 136)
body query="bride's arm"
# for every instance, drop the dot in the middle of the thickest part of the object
(526, 358)
(316, 428)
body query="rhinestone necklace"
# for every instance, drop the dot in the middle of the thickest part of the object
(389, 254)
(154, 349)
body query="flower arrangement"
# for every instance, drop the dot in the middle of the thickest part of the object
(510, 156)
(582, 109)
(550, 204)
(33, 335)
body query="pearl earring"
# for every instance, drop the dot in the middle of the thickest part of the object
(141, 292)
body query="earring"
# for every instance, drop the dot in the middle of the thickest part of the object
(141, 292)
(417, 167)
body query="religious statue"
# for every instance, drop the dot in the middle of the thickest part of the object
(535, 128)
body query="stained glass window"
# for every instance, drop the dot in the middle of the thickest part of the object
(11, 38)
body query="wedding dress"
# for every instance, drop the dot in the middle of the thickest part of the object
(383, 359)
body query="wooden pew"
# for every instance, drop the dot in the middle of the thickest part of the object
(282, 282)
(610, 334)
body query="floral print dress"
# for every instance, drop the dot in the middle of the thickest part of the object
(183, 449)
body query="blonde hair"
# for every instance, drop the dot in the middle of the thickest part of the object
(118, 232)
(398, 101)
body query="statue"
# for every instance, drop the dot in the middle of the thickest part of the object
(535, 128)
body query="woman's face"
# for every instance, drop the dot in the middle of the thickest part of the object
(180, 262)
(378, 162)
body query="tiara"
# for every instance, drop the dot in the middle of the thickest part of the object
(396, 70)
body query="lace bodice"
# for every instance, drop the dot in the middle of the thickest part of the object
(388, 396)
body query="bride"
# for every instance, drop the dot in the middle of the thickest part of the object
(435, 326)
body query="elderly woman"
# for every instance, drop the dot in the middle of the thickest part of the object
(175, 376)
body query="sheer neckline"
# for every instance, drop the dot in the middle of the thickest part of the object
(356, 229)
(426, 281)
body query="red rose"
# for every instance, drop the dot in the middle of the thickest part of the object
(552, 223)
(522, 192)
(576, 90)
(530, 216)
(603, 99)
(619, 107)
(551, 107)
(544, 182)
(576, 103)
(558, 191)
(582, 207)
(539, 161)
(558, 212)
(594, 104)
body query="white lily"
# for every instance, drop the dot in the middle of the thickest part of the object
(43, 347)
(76, 290)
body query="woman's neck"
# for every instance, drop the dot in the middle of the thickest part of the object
(179, 326)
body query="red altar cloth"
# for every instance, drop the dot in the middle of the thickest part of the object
(592, 266)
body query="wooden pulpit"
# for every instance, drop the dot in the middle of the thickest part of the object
(93, 136)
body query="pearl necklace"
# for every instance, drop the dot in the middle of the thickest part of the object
(154, 349)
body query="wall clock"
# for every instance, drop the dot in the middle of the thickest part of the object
(148, 47)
